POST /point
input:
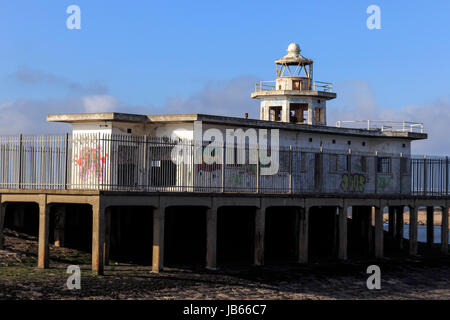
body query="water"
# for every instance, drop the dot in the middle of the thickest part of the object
(421, 232)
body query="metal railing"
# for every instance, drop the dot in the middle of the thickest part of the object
(316, 86)
(382, 125)
(142, 163)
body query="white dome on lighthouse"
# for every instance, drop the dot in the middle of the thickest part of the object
(293, 49)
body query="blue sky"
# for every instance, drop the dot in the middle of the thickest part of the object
(150, 55)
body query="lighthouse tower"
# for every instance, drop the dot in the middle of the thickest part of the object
(294, 97)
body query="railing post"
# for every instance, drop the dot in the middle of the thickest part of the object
(446, 175)
(376, 170)
(425, 176)
(349, 161)
(401, 171)
(20, 161)
(66, 162)
(290, 169)
(223, 167)
(257, 169)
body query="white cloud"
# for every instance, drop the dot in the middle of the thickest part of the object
(100, 103)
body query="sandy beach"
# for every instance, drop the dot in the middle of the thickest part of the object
(402, 278)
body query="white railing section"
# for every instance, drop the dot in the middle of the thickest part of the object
(317, 86)
(382, 125)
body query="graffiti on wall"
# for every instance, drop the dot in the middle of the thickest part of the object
(383, 182)
(208, 167)
(353, 182)
(91, 162)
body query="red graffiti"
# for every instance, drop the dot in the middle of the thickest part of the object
(91, 161)
(208, 167)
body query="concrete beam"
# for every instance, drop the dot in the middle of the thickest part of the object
(75, 199)
(343, 236)
(429, 203)
(98, 238)
(158, 239)
(379, 233)
(396, 202)
(282, 202)
(37, 198)
(324, 202)
(413, 230)
(124, 200)
(44, 226)
(211, 238)
(363, 202)
(303, 245)
(236, 202)
(190, 200)
(444, 231)
(260, 227)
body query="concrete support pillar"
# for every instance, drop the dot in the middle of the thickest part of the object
(158, 239)
(303, 245)
(60, 225)
(211, 238)
(260, 227)
(107, 245)
(392, 221)
(343, 238)
(44, 226)
(399, 224)
(413, 230)
(98, 238)
(2, 225)
(377, 213)
(430, 226)
(444, 231)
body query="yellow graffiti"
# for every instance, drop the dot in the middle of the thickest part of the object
(353, 182)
